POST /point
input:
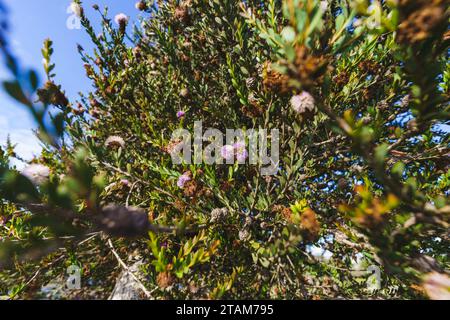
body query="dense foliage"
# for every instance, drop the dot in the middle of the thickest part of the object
(359, 92)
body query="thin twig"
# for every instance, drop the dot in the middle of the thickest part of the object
(147, 293)
(129, 193)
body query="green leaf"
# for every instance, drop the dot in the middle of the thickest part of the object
(288, 34)
(14, 89)
(34, 79)
(398, 168)
(380, 153)
(339, 21)
(17, 187)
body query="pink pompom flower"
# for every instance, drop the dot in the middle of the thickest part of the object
(185, 177)
(181, 114)
(303, 103)
(227, 152)
(240, 151)
(121, 19)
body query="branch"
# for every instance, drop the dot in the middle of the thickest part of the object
(118, 221)
(147, 293)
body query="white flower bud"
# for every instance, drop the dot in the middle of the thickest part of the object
(37, 173)
(121, 19)
(303, 102)
(76, 9)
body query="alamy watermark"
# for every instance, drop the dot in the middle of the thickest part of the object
(235, 146)
(374, 280)
(73, 22)
(74, 279)
(59, 287)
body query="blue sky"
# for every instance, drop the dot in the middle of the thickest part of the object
(32, 21)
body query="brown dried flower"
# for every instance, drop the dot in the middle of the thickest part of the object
(52, 94)
(164, 280)
(369, 66)
(421, 20)
(182, 14)
(190, 188)
(309, 224)
(273, 80)
(141, 5)
(310, 69)
(341, 79)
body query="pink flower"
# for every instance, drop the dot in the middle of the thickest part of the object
(181, 114)
(121, 19)
(303, 102)
(239, 145)
(242, 156)
(115, 141)
(227, 152)
(36, 173)
(185, 177)
(125, 182)
(240, 151)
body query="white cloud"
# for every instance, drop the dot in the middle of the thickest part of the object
(4, 123)
(27, 144)
(19, 50)
(17, 122)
